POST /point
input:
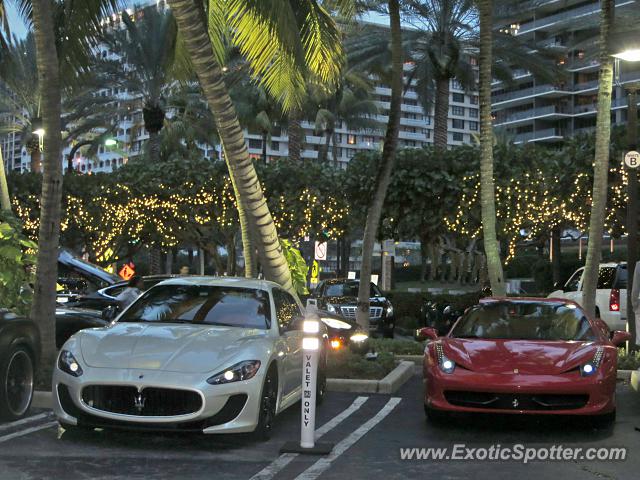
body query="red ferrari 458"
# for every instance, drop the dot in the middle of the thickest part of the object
(522, 356)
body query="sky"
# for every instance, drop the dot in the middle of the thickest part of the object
(18, 28)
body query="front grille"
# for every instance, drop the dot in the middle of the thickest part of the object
(350, 312)
(507, 401)
(149, 402)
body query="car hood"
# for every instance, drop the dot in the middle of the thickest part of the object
(527, 356)
(346, 300)
(166, 347)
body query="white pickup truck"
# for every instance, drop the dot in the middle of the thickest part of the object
(611, 293)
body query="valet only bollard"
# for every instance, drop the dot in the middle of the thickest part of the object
(310, 355)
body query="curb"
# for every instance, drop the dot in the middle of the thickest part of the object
(416, 359)
(42, 400)
(625, 375)
(389, 384)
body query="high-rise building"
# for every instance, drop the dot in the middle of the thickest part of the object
(534, 111)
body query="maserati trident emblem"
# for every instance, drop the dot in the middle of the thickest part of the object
(139, 401)
(515, 403)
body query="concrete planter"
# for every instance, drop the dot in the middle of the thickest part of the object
(389, 384)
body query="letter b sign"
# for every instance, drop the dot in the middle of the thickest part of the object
(632, 159)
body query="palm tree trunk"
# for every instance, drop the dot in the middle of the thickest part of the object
(5, 201)
(386, 166)
(556, 260)
(323, 153)
(44, 298)
(296, 136)
(241, 169)
(153, 147)
(36, 160)
(487, 185)
(601, 167)
(441, 113)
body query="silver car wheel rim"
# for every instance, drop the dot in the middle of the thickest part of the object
(19, 383)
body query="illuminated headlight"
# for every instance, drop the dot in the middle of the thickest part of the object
(331, 308)
(335, 323)
(238, 372)
(446, 365)
(389, 310)
(591, 367)
(359, 337)
(68, 364)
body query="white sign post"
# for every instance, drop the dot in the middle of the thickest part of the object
(320, 251)
(310, 354)
(632, 159)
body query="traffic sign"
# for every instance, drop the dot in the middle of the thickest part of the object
(315, 271)
(632, 159)
(321, 251)
(127, 271)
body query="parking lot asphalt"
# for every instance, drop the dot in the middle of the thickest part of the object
(368, 431)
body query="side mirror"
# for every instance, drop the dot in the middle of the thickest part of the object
(109, 313)
(426, 333)
(618, 337)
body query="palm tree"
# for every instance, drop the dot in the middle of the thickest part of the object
(487, 184)
(282, 40)
(80, 21)
(148, 46)
(350, 103)
(383, 177)
(601, 160)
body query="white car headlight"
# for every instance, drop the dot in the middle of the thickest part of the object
(335, 323)
(236, 373)
(446, 365)
(68, 364)
(389, 310)
(359, 337)
(331, 308)
(590, 368)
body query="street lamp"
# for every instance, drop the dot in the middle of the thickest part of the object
(110, 142)
(630, 53)
(38, 128)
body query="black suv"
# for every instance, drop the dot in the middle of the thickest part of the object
(340, 297)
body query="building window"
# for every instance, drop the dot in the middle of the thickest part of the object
(457, 137)
(457, 123)
(473, 126)
(473, 113)
(458, 97)
(253, 143)
(473, 99)
(350, 152)
(275, 146)
(455, 110)
(351, 139)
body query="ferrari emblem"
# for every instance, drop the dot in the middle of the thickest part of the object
(515, 370)
(515, 403)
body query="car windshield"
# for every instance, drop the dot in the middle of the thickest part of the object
(347, 289)
(525, 321)
(209, 305)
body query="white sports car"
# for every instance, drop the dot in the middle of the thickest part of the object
(217, 355)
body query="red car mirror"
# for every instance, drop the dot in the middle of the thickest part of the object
(426, 333)
(618, 337)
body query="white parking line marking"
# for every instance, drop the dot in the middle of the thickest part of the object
(315, 470)
(22, 433)
(270, 471)
(17, 423)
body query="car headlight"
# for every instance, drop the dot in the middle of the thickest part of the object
(335, 323)
(331, 308)
(590, 368)
(359, 337)
(68, 364)
(389, 310)
(236, 373)
(446, 365)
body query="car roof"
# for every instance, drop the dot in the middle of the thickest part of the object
(239, 282)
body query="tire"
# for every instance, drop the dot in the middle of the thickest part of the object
(268, 400)
(321, 388)
(604, 421)
(16, 383)
(437, 417)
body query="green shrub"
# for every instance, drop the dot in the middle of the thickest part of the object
(346, 364)
(628, 361)
(16, 259)
(396, 346)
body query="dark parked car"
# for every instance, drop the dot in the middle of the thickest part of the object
(19, 354)
(77, 276)
(70, 320)
(106, 297)
(340, 297)
(343, 332)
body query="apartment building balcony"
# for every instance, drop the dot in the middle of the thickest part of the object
(516, 97)
(549, 112)
(546, 135)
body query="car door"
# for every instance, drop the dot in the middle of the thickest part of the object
(287, 310)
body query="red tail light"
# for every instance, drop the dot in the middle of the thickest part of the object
(614, 300)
